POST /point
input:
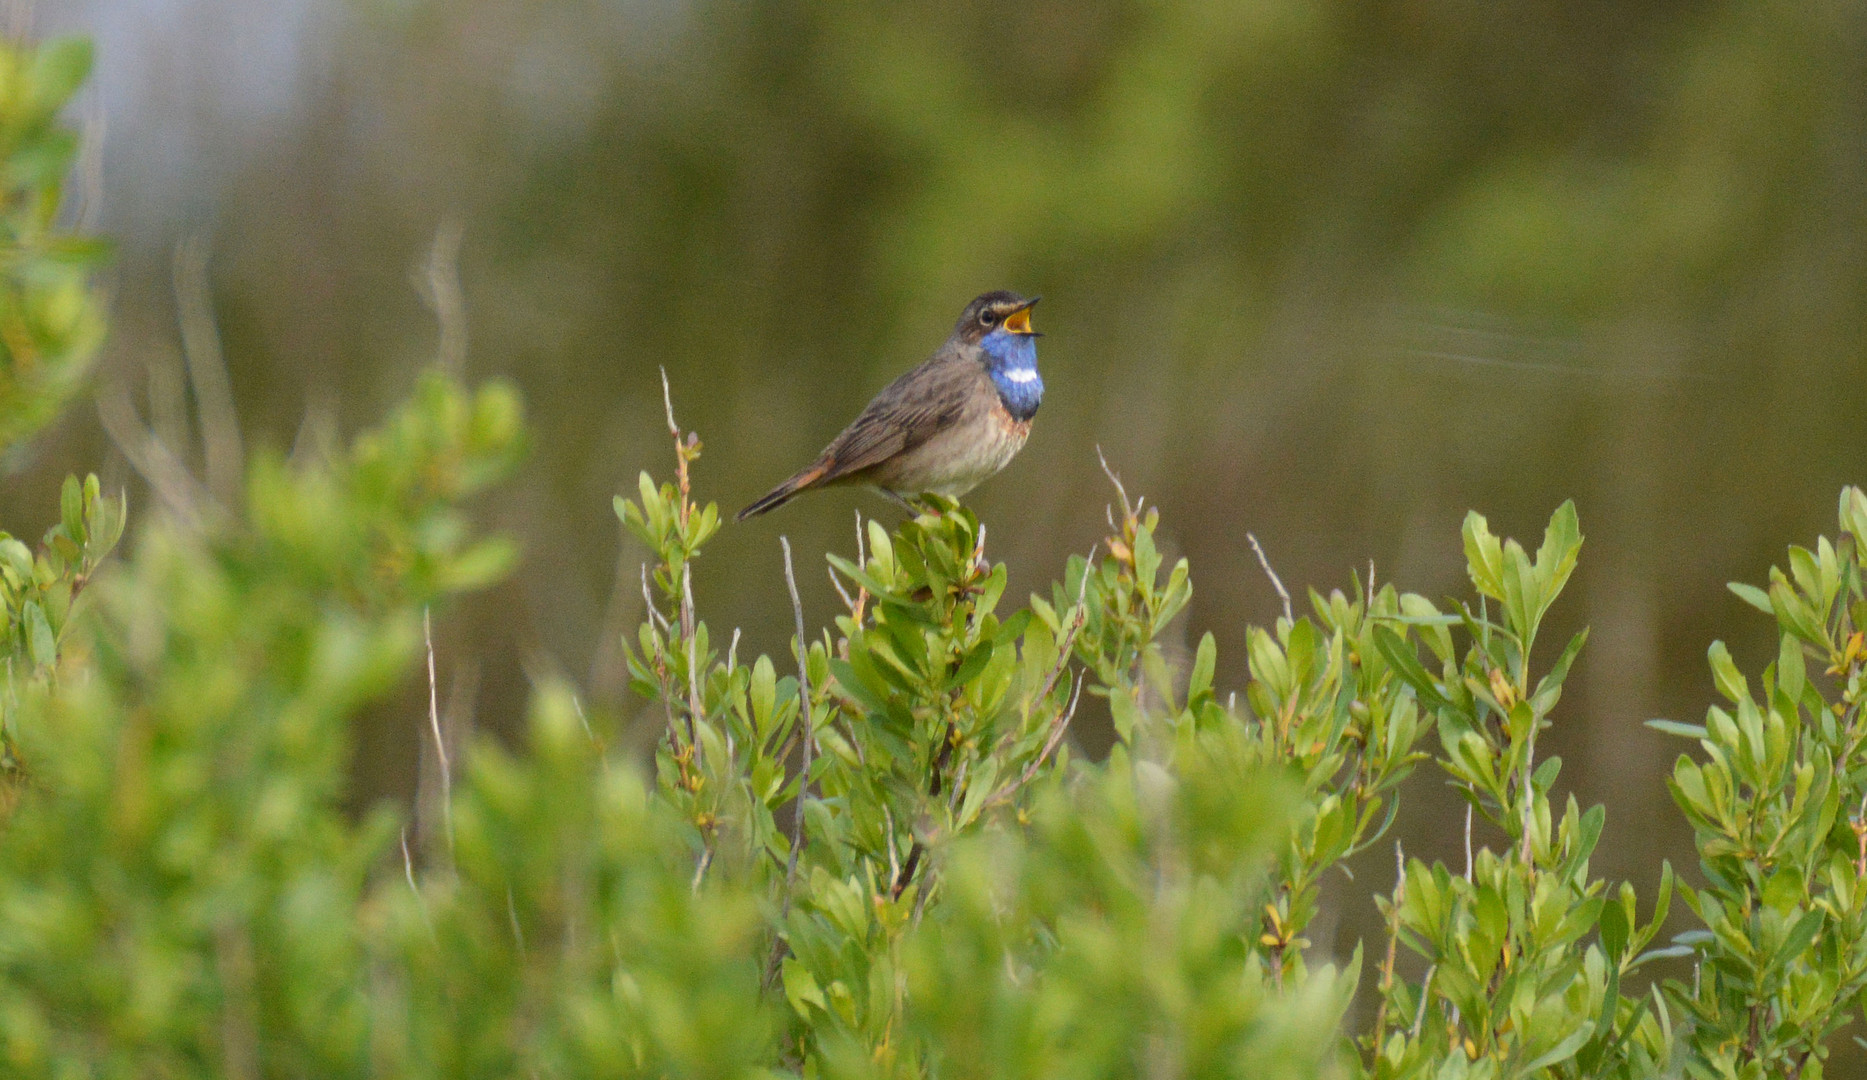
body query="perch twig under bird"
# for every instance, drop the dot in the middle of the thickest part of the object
(945, 426)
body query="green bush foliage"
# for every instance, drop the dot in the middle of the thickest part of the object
(51, 323)
(1779, 812)
(51, 319)
(876, 857)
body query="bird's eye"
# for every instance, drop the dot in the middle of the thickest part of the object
(988, 319)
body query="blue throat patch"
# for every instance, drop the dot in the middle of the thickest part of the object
(1011, 359)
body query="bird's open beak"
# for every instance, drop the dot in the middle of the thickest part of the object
(1019, 321)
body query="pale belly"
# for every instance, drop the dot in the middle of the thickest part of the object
(956, 460)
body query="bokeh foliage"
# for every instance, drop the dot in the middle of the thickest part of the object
(889, 864)
(1329, 271)
(51, 319)
(51, 323)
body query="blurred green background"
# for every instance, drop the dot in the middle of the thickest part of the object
(1329, 272)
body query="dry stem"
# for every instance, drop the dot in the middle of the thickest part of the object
(803, 780)
(440, 744)
(1276, 582)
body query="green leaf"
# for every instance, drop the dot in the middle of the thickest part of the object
(1484, 558)
(972, 664)
(863, 578)
(1724, 674)
(800, 988)
(75, 252)
(1614, 930)
(1800, 936)
(1752, 595)
(1562, 1051)
(44, 161)
(1674, 727)
(1549, 687)
(762, 693)
(71, 510)
(1854, 513)
(1556, 559)
(18, 559)
(1204, 661)
(480, 565)
(1790, 671)
(1406, 662)
(1522, 592)
(41, 646)
(1795, 616)
(1665, 952)
(59, 67)
(1590, 833)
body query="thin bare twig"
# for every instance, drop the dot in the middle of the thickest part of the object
(1058, 729)
(862, 560)
(166, 474)
(408, 872)
(1060, 725)
(439, 285)
(1526, 787)
(1128, 510)
(695, 710)
(682, 446)
(906, 874)
(682, 451)
(655, 618)
(168, 397)
(1468, 842)
(837, 584)
(90, 169)
(1276, 582)
(894, 849)
(512, 914)
(440, 744)
(803, 779)
(239, 1021)
(1426, 986)
(408, 864)
(804, 713)
(921, 898)
(207, 371)
(576, 703)
(654, 614)
(1393, 941)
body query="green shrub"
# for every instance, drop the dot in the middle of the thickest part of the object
(51, 320)
(1779, 813)
(883, 862)
(51, 324)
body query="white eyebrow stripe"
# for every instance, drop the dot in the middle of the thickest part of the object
(1021, 375)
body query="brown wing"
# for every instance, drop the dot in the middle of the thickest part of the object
(907, 413)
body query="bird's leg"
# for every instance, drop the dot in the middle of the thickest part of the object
(903, 501)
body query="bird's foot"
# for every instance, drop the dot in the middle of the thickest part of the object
(903, 501)
(923, 503)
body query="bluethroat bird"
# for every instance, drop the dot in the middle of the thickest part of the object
(945, 426)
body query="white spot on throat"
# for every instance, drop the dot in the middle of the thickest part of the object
(1021, 375)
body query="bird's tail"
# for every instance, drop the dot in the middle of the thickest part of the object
(782, 494)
